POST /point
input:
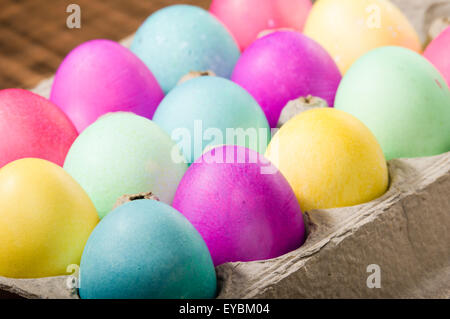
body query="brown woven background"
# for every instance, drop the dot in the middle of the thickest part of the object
(34, 37)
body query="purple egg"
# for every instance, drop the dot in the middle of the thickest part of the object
(241, 205)
(284, 66)
(102, 76)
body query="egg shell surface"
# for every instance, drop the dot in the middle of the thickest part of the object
(330, 158)
(32, 126)
(181, 38)
(246, 19)
(348, 29)
(402, 99)
(284, 66)
(123, 153)
(438, 53)
(145, 249)
(242, 206)
(198, 114)
(45, 219)
(102, 76)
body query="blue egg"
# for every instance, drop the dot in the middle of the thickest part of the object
(145, 249)
(181, 38)
(210, 111)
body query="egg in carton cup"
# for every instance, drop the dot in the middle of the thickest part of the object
(396, 246)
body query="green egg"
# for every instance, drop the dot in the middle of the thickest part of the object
(123, 153)
(403, 100)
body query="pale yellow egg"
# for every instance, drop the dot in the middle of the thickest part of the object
(45, 219)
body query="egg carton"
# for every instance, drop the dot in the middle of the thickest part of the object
(405, 234)
(397, 246)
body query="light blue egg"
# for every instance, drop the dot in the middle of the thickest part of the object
(178, 39)
(210, 111)
(145, 249)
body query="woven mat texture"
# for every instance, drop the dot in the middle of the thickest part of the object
(34, 37)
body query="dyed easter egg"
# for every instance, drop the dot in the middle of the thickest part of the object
(241, 204)
(145, 249)
(32, 126)
(403, 100)
(330, 159)
(284, 66)
(438, 53)
(123, 153)
(348, 29)
(45, 219)
(102, 76)
(246, 19)
(209, 111)
(178, 39)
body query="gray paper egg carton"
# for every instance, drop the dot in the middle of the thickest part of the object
(405, 234)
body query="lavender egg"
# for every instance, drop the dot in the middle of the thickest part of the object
(102, 76)
(241, 204)
(284, 66)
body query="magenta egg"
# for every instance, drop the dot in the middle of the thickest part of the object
(246, 19)
(438, 53)
(32, 126)
(283, 66)
(102, 76)
(241, 204)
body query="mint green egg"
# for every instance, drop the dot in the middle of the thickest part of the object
(123, 153)
(403, 100)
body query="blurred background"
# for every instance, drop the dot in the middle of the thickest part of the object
(34, 37)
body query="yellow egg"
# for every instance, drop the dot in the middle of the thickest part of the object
(45, 219)
(330, 159)
(348, 29)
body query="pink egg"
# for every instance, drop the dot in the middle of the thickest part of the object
(102, 76)
(32, 126)
(241, 204)
(284, 66)
(246, 19)
(438, 53)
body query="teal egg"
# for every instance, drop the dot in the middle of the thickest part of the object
(123, 153)
(146, 249)
(208, 111)
(181, 38)
(403, 100)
